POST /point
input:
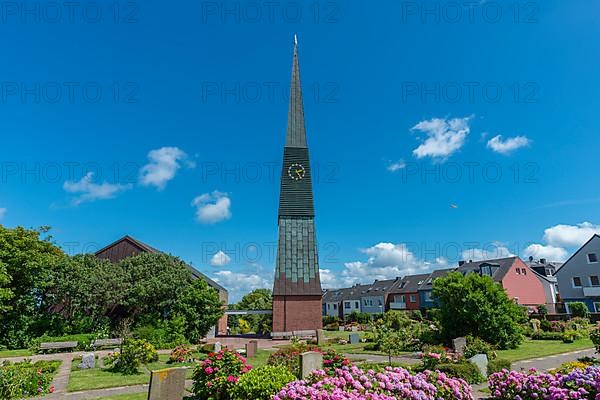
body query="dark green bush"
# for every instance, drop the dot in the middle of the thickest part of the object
(135, 352)
(579, 309)
(545, 325)
(541, 335)
(478, 346)
(261, 383)
(467, 371)
(498, 365)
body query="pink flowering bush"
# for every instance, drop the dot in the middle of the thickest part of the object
(356, 384)
(432, 359)
(578, 384)
(333, 360)
(216, 377)
(180, 354)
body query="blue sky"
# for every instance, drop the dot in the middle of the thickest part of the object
(154, 120)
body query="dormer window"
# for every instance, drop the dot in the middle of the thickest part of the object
(592, 258)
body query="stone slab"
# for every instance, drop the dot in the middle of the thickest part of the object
(309, 362)
(88, 361)
(167, 384)
(481, 362)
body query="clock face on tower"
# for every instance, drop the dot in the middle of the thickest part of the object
(296, 172)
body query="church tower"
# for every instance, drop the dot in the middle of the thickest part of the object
(297, 289)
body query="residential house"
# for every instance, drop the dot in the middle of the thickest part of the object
(374, 298)
(579, 277)
(426, 299)
(129, 247)
(545, 272)
(343, 302)
(404, 295)
(519, 281)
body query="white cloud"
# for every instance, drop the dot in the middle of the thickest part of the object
(386, 261)
(488, 252)
(508, 145)
(549, 252)
(220, 259)
(570, 235)
(3, 212)
(164, 164)
(444, 137)
(238, 283)
(328, 279)
(88, 190)
(393, 167)
(212, 207)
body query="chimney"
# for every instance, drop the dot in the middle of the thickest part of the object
(461, 263)
(542, 261)
(530, 258)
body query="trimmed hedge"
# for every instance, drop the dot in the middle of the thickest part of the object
(262, 383)
(541, 335)
(467, 371)
(498, 365)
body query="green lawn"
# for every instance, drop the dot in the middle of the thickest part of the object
(260, 359)
(541, 348)
(101, 378)
(15, 353)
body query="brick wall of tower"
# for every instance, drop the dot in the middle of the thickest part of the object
(297, 313)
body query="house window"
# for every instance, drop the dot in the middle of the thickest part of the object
(399, 299)
(597, 307)
(592, 258)
(346, 304)
(335, 306)
(356, 304)
(427, 296)
(524, 271)
(412, 298)
(486, 270)
(380, 302)
(329, 306)
(594, 280)
(518, 271)
(366, 304)
(576, 281)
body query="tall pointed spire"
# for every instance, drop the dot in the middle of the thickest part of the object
(296, 133)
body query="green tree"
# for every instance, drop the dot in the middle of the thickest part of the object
(26, 263)
(475, 305)
(258, 299)
(200, 306)
(89, 291)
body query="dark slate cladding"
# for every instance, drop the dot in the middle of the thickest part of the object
(296, 196)
(297, 264)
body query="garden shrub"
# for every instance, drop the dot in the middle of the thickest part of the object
(595, 336)
(261, 383)
(134, 352)
(289, 356)
(478, 346)
(569, 367)
(463, 370)
(24, 379)
(541, 335)
(498, 365)
(163, 334)
(397, 383)
(578, 384)
(332, 360)
(569, 336)
(545, 325)
(216, 377)
(431, 360)
(180, 354)
(579, 309)
(542, 309)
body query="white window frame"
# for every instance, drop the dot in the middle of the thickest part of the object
(597, 306)
(413, 298)
(573, 282)
(590, 279)
(587, 256)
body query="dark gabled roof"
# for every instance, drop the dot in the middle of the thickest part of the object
(382, 287)
(438, 273)
(352, 293)
(578, 250)
(410, 283)
(502, 266)
(149, 249)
